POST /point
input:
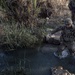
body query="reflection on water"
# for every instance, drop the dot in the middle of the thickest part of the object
(36, 62)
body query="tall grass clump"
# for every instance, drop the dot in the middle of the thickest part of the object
(24, 32)
(3, 4)
(15, 37)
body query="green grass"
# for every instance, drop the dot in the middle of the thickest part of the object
(21, 37)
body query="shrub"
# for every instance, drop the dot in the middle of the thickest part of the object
(18, 37)
(21, 37)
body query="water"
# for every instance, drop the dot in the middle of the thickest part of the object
(36, 62)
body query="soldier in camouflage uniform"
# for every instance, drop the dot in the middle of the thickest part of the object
(72, 9)
(67, 37)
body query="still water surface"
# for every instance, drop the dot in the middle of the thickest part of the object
(36, 62)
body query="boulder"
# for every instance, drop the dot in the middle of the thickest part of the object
(63, 54)
(60, 71)
(52, 39)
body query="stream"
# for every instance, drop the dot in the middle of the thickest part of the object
(36, 62)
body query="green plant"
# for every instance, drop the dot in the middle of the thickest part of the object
(15, 37)
(3, 3)
(21, 37)
(34, 4)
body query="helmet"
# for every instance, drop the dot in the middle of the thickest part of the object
(68, 21)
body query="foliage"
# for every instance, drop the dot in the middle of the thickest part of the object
(21, 37)
(34, 3)
(15, 37)
(20, 10)
(26, 31)
(3, 3)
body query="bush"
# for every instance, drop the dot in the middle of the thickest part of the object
(21, 37)
(18, 37)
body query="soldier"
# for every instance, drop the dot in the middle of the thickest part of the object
(72, 9)
(67, 37)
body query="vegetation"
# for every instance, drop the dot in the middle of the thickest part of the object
(21, 29)
(14, 37)
(21, 26)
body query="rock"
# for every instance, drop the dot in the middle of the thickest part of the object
(63, 54)
(60, 71)
(51, 39)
